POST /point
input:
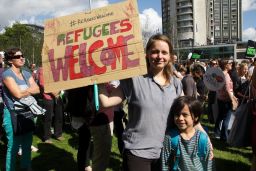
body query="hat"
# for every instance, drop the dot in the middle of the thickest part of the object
(195, 64)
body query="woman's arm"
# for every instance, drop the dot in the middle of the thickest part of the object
(15, 90)
(33, 88)
(200, 128)
(112, 99)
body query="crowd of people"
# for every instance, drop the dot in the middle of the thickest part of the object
(163, 129)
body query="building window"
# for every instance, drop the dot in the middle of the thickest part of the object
(234, 34)
(225, 33)
(217, 27)
(233, 27)
(217, 34)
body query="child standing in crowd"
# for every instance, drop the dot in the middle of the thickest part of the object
(185, 148)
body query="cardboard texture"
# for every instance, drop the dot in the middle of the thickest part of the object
(96, 47)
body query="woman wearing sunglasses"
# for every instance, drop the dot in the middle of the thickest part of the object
(17, 83)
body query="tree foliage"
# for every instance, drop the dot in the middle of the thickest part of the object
(28, 39)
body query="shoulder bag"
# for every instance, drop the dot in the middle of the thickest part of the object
(24, 113)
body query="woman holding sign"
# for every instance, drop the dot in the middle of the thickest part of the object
(149, 100)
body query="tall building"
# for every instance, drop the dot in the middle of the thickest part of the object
(201, 22)
(185, 22)
(227, 21)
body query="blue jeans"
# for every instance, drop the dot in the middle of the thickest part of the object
(221, 125)
(13, 144)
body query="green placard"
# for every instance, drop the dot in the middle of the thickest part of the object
(195, 56)
(250, 51)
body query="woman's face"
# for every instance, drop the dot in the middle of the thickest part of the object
(159, 55)
(229, 66)
(18, 59)
(244, 70)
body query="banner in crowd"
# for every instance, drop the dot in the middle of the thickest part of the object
(214, 79)
(251, 49)
(99, 46)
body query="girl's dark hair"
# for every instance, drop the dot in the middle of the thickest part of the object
(168, 69)
(194, 106)
(8, 55)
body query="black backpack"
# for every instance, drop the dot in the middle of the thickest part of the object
(81, 103)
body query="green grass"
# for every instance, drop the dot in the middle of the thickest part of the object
(226, 157)
(61, 156)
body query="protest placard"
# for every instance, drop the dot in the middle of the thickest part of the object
(214, 79)
(99, 46)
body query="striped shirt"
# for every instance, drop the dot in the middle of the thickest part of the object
(189, 160)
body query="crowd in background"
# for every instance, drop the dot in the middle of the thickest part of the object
(147, 99)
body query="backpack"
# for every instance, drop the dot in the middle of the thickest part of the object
(81, 103)
(174, 141)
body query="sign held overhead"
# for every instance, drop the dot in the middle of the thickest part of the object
(96, 47)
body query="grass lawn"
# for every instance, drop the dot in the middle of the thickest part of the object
(61, 156)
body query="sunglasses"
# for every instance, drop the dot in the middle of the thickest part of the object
(17, 56)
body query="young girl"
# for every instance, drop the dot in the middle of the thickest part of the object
(185, 148)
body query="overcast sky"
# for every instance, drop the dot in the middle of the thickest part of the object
(35, 12)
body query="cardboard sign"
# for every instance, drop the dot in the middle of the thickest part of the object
(96, 47)
(214, 79)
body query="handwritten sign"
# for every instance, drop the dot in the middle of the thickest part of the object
(96, 47)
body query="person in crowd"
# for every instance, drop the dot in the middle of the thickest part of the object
(95, 124)
(82, 113)
(34, 72)
(211, 94)
(182, 70)
(233, 73)
(54, 112)
(226, 100)
(174, 60)
(253, 128)
(189, 62)
(189, 82)
(102, 130)
(184, 140)
(1, 98)
(251, 67)
(200, 86)
(242, 83)
(149, 99)
(17, 84)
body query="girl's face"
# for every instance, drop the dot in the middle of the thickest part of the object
(18, 59)
(159, 55)
(184, 119)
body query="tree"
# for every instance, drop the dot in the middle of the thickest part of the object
(29, 40)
